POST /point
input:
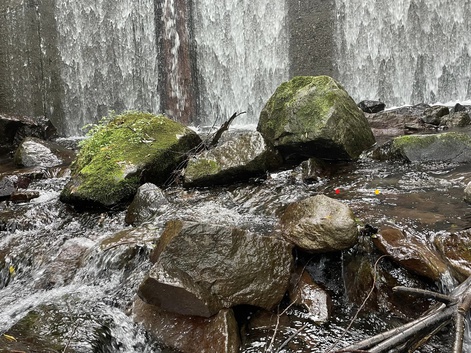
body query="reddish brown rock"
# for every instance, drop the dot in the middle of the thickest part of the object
(410, 253)
(189, 334)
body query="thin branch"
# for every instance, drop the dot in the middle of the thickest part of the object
(425, 293)
(288, 340)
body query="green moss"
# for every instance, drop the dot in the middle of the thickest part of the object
(111, 159)
(302, 102)
(202, 167)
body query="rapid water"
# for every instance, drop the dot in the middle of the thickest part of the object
(405, 52)
(74, 275)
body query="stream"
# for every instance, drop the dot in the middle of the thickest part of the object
(67, 281)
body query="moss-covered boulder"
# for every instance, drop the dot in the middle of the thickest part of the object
(445, 147)
(237, 157)
(131, 149)
(202, 268)
(313, 116)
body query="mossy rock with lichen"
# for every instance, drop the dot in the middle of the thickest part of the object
(238, 157)
(450, 147)
(131, 149)
(313, 116)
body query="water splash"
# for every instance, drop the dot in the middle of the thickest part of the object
(405, 52)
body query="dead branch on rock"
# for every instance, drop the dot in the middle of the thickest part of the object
(455, 308)
(224, 127)
(206, 144)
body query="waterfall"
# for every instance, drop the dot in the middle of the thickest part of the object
(405, 51)
(242, 56)
(108, 58)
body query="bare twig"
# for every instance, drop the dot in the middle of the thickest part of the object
(425, 293)
(223, 128)
(291, 337)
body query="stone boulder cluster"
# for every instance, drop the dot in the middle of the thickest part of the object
(203, 273)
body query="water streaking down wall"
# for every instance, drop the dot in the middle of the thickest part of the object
(405, 51)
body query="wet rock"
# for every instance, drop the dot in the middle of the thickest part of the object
(34, 152)
(148, 202)
(64, 266)
(132, 149)
(467, 193)
(457, 119)
(433, 115)
(445, 147)
(203, 268)
(14, 128)
(319, 224)
(237, 157)
(371, 106)
(8, 185)
(456, 249)
(410, 253)
(314, 117)
(189, 334)
(313, 170)
(460, 108)
(305, 293)
(23, 196)
(396, 122)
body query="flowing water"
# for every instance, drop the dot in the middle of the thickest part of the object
(67, 278)
(405, 52)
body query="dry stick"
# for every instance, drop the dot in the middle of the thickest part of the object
(291, 337)
(371, 341)
(373, 286)
(463, 308)
(425, 293)
(435, 319)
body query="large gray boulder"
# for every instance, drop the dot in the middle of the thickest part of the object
(131, 149)
(315, 117)
(320, 224)
(201, 269)
(445, 147)
(237, 157)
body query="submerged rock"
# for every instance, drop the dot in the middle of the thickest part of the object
(34, 152)
(315, 117)
(445, 147)
(203, 268)
(237, 157)
(148, 202)
(132, 149)
(189, 334)
(319, 224)
(410, 253)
